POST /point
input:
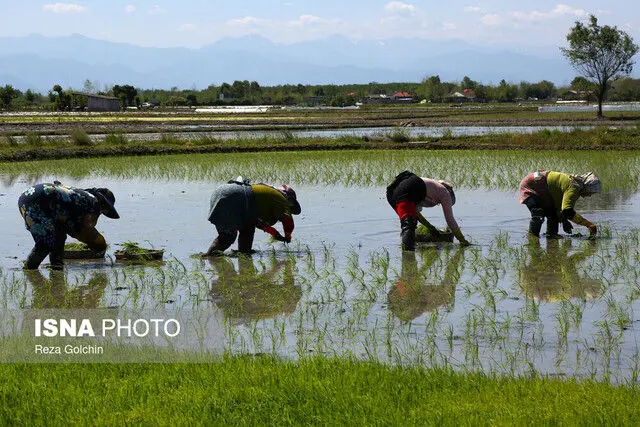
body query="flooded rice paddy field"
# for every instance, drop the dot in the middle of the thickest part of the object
(343, 287)
(202, 131)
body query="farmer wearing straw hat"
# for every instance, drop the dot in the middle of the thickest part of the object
(238, 208)
(553, 195)
(408, 193)
(51, 211)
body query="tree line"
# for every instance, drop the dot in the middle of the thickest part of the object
(431, 89)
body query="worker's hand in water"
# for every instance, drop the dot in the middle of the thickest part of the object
(593, 230)
(566, 226)
(461, 239)
(280, 238)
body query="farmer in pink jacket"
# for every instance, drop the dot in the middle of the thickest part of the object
(408, 193)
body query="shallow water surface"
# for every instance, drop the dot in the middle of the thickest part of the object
(343, 286)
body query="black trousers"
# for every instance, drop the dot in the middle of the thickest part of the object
(539, 211)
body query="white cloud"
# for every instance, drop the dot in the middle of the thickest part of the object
(472, 9)
(400, 8)
(491, 19)
(188, 27)
(306, 20)
(247, 20)
(63, 8)
(559, 11)
(129, 9)
(157, 10)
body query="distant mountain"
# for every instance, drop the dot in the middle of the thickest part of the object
(37, 62)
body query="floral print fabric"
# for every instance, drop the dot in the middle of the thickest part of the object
(49, 210)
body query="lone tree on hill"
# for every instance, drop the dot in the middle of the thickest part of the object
(600, 54)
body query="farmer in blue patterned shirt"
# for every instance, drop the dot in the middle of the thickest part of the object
(51, 211)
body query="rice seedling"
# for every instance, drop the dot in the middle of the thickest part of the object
(468, 169)
(465, 309)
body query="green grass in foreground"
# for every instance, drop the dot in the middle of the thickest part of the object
(263, 391)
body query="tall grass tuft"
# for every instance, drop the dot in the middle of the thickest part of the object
(400, 135)
(116, 138)
(34, 139)
(287, 136)
(80, 137)
(170, 139)
(10, 140)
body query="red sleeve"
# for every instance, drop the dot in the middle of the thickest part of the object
(269, 229)
(287, 225)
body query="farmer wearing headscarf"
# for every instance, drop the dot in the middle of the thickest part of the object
(51, 211)
(409, 193)
(238, 208)
(553, 195)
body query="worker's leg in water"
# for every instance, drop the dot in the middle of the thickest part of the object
(537, 215)
(245, 239)
(222, 242)
(36, 256)
(57, 251)
(408, 214)
(552, 225)
(408, 233)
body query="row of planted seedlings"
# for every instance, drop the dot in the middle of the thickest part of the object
(470, 309)
(501, 318)
(566, 308)
(468, 169)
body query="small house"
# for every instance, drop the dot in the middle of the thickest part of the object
(402, 98)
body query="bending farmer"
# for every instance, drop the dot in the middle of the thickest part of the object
(553, 195)
(238, 207)
(51, 211)
(408, 193)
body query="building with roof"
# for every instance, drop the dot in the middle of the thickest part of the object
(94, 102)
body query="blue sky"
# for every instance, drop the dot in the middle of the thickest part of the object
(194, 23)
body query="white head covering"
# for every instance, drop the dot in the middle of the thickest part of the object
(588, 183)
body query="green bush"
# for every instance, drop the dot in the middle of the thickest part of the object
(115, 139)
(400, 135)
(34, 139)
(169, 139)
(286, 135)
(10, 140)
(80, 137)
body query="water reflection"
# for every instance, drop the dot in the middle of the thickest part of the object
(249, 293)
(412, 296)
(54, 291)
(553, 274)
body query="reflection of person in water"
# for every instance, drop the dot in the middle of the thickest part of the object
(54, 292)
(411, 295)
(552, 274)
(249, 293)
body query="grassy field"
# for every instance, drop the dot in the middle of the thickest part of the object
(266, 391)
(422, 113)
(48, 135)
(487, 169)
(263, 391)
(80, 145)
